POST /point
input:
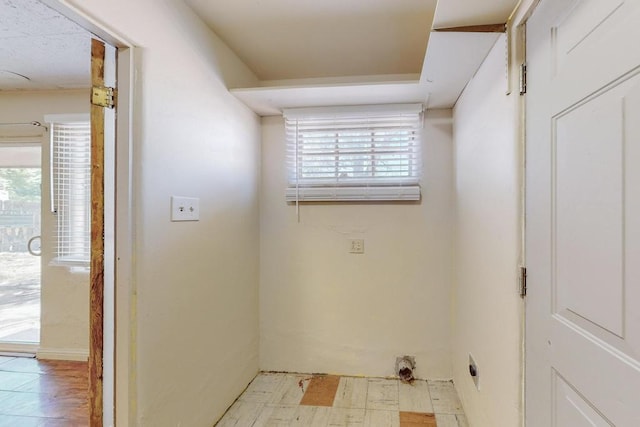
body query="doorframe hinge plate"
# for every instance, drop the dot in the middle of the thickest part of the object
(522, 282)
(103, 96)
(523, 78)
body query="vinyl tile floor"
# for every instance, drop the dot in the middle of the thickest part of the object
(275, 399)
(43, 393)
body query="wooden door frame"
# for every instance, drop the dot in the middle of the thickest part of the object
(96, 275)
(125, 386)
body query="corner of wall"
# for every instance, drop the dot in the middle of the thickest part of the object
(488, 196)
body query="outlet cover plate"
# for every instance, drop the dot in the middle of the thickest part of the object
(356, 246)
(185, 208)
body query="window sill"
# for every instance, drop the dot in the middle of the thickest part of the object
(74, 266)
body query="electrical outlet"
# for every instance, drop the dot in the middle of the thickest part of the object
(185, 208)
(356, 246)
(474, 372)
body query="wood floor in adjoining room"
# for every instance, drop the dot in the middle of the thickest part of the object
(275, 399)
(42, 393)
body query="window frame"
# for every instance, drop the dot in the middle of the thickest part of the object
(72, 242)
(314, 135)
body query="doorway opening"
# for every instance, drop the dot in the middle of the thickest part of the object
(30, 77)
(20, 231)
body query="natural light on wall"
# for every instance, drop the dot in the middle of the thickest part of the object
(360, 153)
(71, 188)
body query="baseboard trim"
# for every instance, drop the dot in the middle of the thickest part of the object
(62, 354)
(19, 349)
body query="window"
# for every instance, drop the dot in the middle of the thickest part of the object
(354, 153)
(71, 188)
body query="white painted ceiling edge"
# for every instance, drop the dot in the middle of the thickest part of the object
(51, 50)
(284, 39)
(450, 62)
(461, 13)
(452, 59)
(270, 101)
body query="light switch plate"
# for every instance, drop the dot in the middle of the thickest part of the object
(185, 208)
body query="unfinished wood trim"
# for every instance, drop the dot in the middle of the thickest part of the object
(490, 28)
(96, 290)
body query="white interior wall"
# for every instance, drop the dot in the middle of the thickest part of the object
(487, 309)
(323, 309)
(197, 332)
(196, 341)
(65, 295)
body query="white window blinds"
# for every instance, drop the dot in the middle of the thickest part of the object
(354, 153)
(71, 190)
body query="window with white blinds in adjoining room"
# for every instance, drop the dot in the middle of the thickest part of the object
(71, 188)
(363, 153)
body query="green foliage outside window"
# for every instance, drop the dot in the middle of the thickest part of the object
(21, 184)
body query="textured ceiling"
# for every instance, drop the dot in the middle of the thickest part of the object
(41, 49)
(296, 39)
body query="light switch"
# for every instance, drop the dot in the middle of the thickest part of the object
(185, 208)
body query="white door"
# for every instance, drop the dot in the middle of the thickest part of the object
(583, 214)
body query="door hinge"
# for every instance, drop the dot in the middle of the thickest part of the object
(523, 78)
(523, 282)
(103, 96)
